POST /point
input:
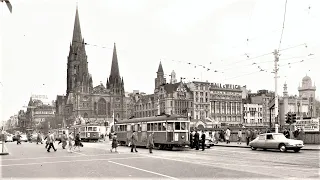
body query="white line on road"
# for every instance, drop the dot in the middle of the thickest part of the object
(54, 162)
(80, 153)
(18, 159)
(143, 170)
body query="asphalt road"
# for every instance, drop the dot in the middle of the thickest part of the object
(95, 161)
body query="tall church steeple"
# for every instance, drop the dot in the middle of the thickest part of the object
(115, 83)
(160, 80)
(78, 77)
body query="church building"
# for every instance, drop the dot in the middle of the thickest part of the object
(97, 104)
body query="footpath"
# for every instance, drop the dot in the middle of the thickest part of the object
(311, 147)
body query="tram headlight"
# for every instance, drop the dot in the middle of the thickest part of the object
(182, 137)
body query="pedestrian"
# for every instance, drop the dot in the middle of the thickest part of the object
(134, 140)
(114, 144)
(196, 140)
(39, 139)
(216, 136)
(150, 142)
(248, 136)
(239, 136)
(203, 140)
(18, 138)
(228, 134)
(51, 141)
(70, 139)
(63, 139)
(47, 140)
(77, 142)
(191, 140)
(286, 133)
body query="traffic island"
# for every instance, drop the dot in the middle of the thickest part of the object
(4, 153)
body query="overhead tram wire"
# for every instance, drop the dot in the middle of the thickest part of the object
(266, 70)
(284, 20)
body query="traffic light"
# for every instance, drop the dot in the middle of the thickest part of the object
(288, 118)
(293, 118)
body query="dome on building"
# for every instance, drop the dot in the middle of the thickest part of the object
(306, 78)
(306, 82)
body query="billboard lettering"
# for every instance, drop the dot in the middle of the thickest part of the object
(309, 125)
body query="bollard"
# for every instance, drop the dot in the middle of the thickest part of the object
(2, 151)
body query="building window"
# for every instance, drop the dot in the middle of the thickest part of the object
(102, 107)
(171, 104)
(223, 107)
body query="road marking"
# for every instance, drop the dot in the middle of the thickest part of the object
(79, 153)
(18, 159)
(54, 162)
(143, 170)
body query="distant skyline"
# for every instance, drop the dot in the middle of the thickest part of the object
(182, 34)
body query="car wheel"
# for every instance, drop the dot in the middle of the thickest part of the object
(282, 148)
(253, 148)
(297, 150)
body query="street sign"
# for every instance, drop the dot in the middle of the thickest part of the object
(309, 125)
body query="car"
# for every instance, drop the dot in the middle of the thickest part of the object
(24, 138)
(9, 138)
(209, 142)
(276, 141)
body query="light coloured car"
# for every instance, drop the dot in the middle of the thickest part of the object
(9, 138)
(209, 142)
(276, 141)
(24, 138)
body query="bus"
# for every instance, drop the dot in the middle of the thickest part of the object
(169, 131)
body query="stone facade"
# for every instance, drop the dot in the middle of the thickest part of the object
(84, 100)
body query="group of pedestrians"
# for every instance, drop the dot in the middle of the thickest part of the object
(66, 139)
(195, 140)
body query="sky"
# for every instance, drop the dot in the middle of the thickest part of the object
(188, 37)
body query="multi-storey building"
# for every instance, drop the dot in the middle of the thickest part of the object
(201, 99)
(226, 104)
(252, 114)
(95, 104)
(263, 97)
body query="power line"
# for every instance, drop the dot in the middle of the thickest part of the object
(284, 19)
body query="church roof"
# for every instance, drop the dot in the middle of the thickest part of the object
(170, 88)
(160, 69)
(77, 37)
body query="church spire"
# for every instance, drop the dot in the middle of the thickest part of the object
(114, 66)
(160, 70)
(77, 37)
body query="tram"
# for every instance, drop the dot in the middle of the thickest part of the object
(89, 132)
(169, 131)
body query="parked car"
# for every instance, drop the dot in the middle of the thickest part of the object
(276, 141)
(9, 138)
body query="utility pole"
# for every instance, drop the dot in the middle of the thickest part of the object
(276, 103)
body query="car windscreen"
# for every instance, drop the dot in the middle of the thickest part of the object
(279, 136)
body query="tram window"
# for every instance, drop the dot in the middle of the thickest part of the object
(94, 129)
(177, 126)
(124, 127)
(118, 128)
(159, 126)
(89, 128)
(170, 126)
(129, 128)
(164, 127)
(183, 126)
(151, 126)
(148, 127)
(136, 127)
(144, 127)
(140, 127)
(82, 129)
(155, 128)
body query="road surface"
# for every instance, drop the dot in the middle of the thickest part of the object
(96, 161)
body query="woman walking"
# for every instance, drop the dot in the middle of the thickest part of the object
(77, 142)
(70, 139)
(114, 144)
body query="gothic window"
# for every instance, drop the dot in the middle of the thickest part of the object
(102, 107)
